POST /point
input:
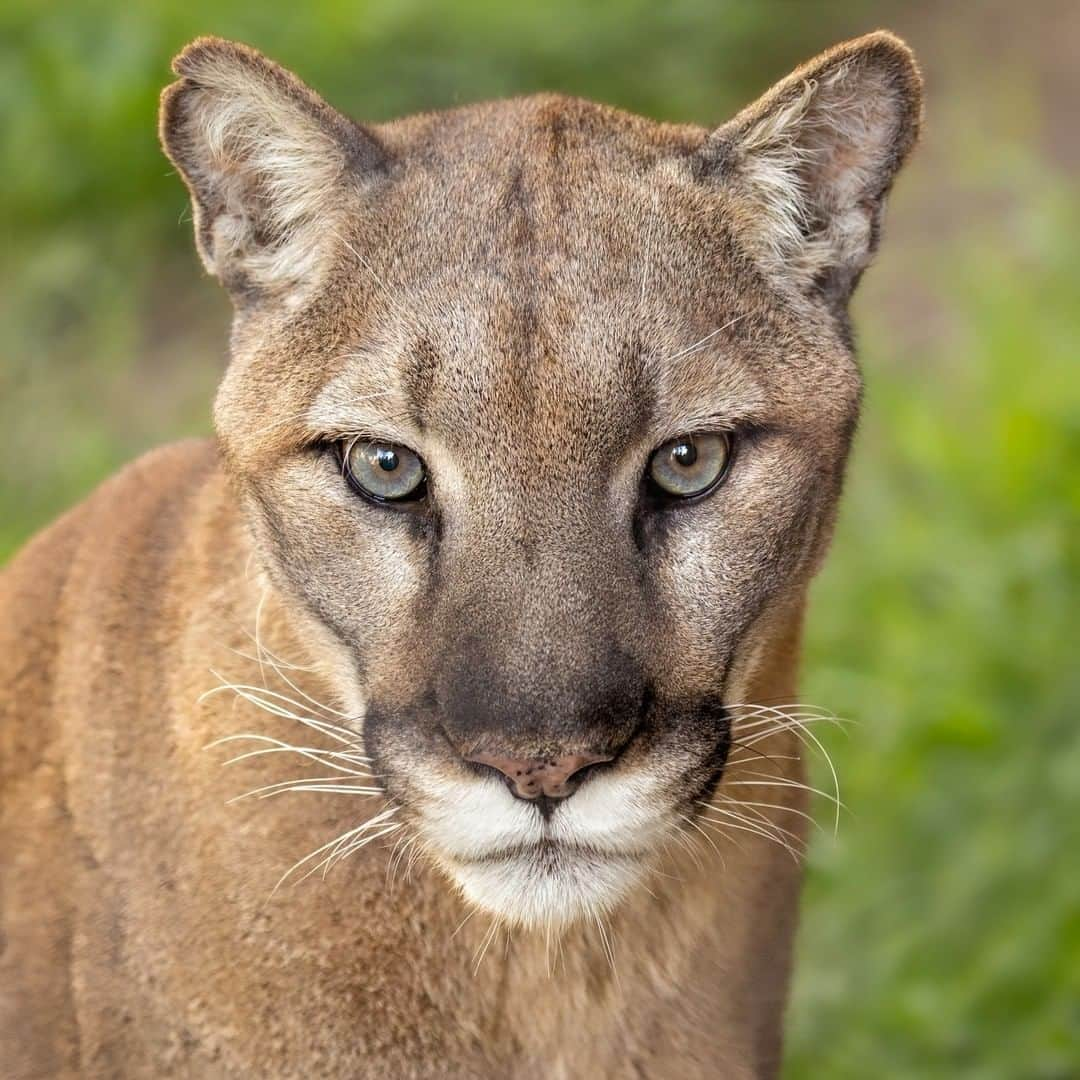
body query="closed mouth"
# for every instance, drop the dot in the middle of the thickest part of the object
(549, 851)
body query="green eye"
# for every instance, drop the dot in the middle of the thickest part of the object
(382, 471)
(690, 465)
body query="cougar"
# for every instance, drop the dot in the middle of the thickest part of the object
(489, 587)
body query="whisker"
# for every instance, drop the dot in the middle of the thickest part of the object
(737, 821)
(338, 840)
(351, 842)
(331, 789)
(795, 718)
(404, 843)
(772, 781)
(257, 695)
(280, 746)
(457, 930)
(749, 748)
(767, 829)
(258, 644)
(684, 841)
(279, 665)
(770, 806)
(606, 943)
(702, 342)
(694, 825)
(262, 649)
(488, 938)
(355, 846)
(789, 706)
(788, 721)
(772, 724)
(758, 817)
(313, 753)
(414, 855)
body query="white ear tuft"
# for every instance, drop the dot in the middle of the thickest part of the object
(268, 163)
(813, 160)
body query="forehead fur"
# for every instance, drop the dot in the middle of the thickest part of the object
(542, 258)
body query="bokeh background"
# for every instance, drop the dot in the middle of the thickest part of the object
(941, 931)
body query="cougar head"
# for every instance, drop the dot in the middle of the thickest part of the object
(539, 412)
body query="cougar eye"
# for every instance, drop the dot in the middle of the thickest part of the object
(690, 465)
(382, 471)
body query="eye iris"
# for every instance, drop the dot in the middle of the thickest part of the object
(383, 471)
(690, 465)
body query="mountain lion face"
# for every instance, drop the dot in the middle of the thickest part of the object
(539, 414)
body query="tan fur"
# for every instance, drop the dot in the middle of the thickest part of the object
(534, 293)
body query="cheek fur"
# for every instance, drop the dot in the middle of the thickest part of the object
(357, 567)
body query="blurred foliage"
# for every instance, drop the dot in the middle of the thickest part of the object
(941, 933)
(942, 928)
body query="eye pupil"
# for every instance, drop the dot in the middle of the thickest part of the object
(684, 453)
(387, 458)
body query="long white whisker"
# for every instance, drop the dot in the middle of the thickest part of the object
(334, 845)
(741, 727)
(605, 940)
(310, 752)
(307, 858)
(402, 848)
(758, 756)
(737, 821)
(331, 789)
(769, 806)
(280, 746)
(702, 342)
(760, 819)
(257, 696)
(488, 938)
(694, 825)
(354, 846)
(457, 930)
(685, 842)
(800, 725)
(771, 781)
(279, 665)
(264, 650)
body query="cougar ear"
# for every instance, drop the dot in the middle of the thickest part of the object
(270, 166)
(813, 160)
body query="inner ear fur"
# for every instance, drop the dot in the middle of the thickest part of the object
(810, 162)
(269, 165)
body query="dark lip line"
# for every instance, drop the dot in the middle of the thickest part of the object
(518, 850)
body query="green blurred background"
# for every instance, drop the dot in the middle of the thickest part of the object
(941, 932)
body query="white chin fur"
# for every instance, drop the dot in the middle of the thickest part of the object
(548, 887)
(510, 862)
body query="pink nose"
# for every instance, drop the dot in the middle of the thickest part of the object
(529, 778)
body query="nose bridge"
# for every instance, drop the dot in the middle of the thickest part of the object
(542, 660)
(551, 559)
(564, 595)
